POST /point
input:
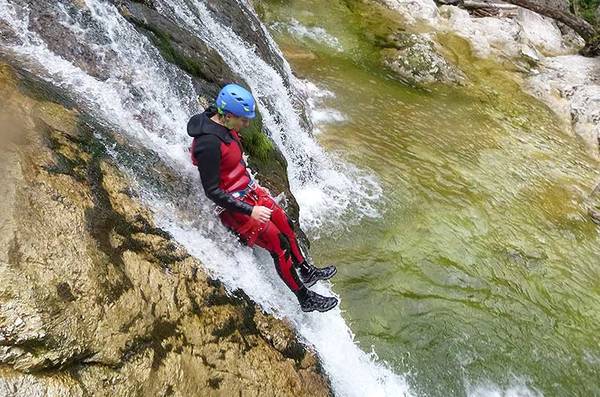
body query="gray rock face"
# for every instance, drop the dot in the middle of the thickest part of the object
(95, 299)
(563, 5)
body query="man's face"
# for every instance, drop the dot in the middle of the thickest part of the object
(236, 123)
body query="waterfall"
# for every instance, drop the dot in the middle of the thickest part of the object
(126, 86)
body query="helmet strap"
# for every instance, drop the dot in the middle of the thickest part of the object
(223, 118)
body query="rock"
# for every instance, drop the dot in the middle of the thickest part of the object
(414, 60)
(563, 5)
(520, 40)
(96, 299)
(570, 86)
(414, 13)
(179, 47)
(540, 33)
(535, 45)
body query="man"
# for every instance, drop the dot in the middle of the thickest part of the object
(246, 208)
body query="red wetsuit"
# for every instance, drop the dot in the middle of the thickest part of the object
(217, 152)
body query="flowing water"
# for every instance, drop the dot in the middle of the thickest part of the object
(482, 277)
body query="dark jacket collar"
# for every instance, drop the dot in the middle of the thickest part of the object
(201, 124)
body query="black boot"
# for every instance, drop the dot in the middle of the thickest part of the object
(310, 274)
(310, 300)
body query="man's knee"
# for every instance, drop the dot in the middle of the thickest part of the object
(271, 239)
(282, 257)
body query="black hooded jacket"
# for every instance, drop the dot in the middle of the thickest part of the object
(208, 136)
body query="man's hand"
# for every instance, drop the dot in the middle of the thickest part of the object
(261, 213)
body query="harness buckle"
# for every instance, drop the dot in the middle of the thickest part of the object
(243, 192)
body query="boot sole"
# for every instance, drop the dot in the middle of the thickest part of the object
(318, 279)
(319, 310)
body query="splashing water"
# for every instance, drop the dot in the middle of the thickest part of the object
(316, 33)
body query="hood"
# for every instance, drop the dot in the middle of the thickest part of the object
(201, 124)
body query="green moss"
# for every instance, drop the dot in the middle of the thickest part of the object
(162, 41)
(587, 10)
(258, 145)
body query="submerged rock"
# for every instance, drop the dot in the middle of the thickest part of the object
(413, 59)
(594, 205)
(95, 299)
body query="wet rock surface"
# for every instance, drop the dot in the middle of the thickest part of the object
(570, 86)
(95, 299)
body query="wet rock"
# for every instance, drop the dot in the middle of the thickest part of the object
(570, 86)
(95, 299)
(414, 59)
(414, 13)
(448, 2)
(563, 5)
(177, 46)
(529, 260)
(51, 24)
(522, 40)
(539, 47)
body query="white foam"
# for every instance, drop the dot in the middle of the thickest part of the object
(319, 113)
(315, 33)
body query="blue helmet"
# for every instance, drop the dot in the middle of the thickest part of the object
(236, 99)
